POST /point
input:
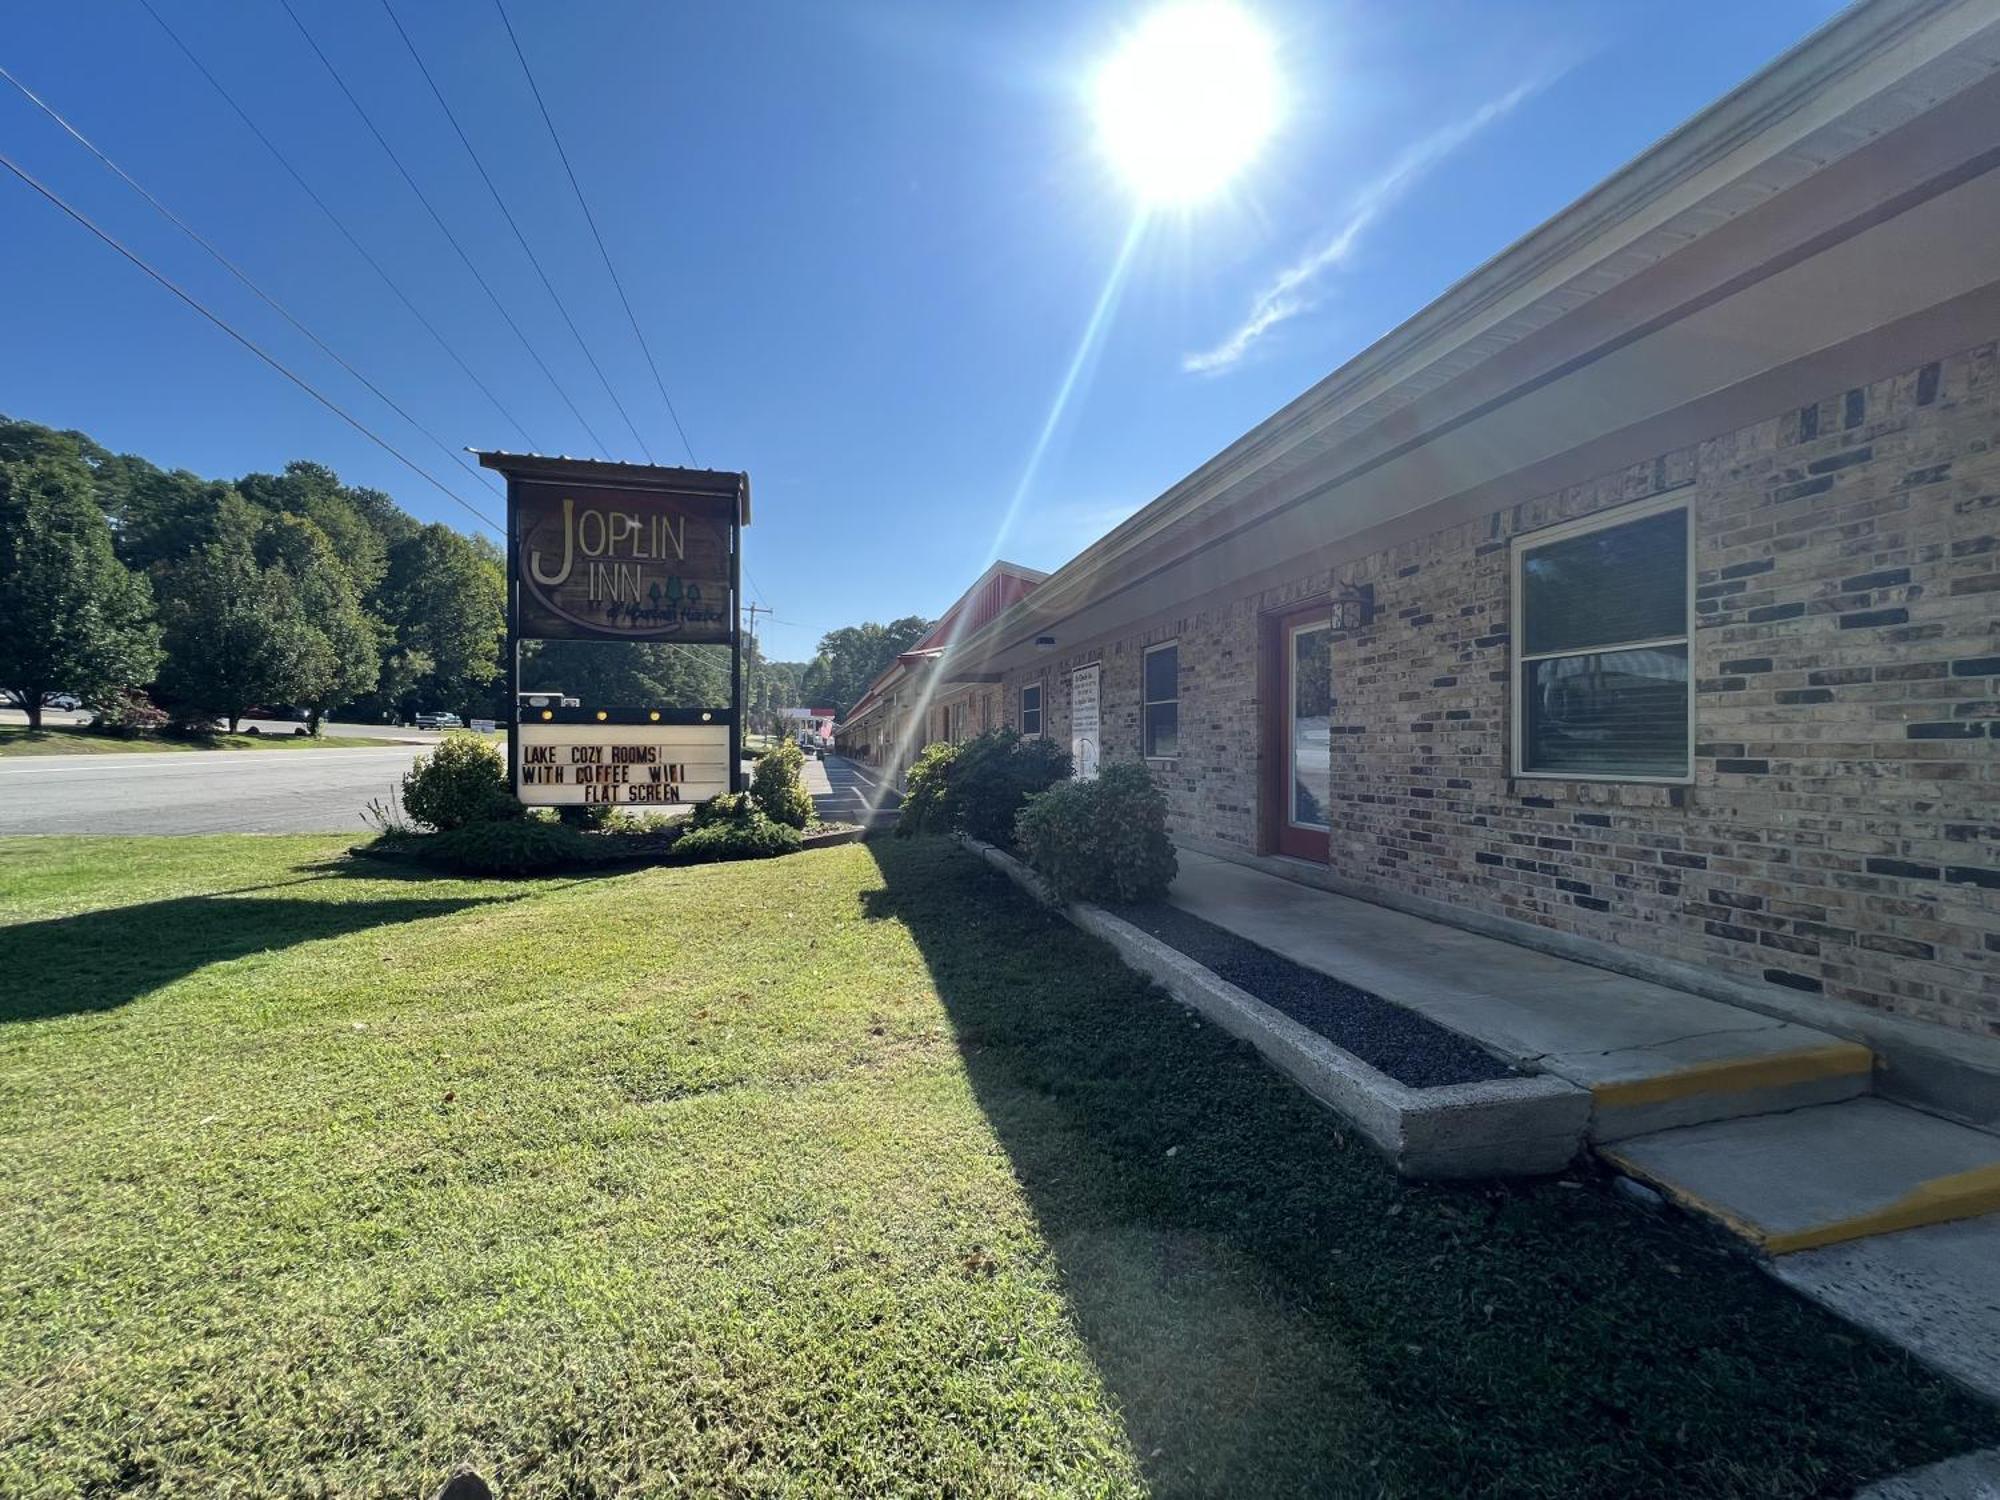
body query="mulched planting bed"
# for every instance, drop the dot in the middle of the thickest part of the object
(1403, 1044)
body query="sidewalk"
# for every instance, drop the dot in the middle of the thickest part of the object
(1883, 1213)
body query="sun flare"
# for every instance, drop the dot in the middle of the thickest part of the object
(1187, 101)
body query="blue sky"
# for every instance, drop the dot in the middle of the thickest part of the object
(864, 241)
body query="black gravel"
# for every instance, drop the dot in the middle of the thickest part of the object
(1408, 1047)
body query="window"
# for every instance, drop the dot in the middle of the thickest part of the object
(1601, 625)
(1162, 701)
(1031, 710)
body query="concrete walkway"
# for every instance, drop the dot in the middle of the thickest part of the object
(1652, 1057)
(1878, 1211)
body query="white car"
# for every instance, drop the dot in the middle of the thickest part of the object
(67, 702)
(441, 720)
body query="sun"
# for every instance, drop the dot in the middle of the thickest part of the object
(1187, 101)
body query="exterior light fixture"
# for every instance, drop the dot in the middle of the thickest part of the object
(1354, 607)
(547, 714)
(704, 716)
(602, 716)
(654, 716)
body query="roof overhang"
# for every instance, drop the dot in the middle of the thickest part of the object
(607, 474)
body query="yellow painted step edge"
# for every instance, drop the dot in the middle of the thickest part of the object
(1960, 1195)
(1738, 1075)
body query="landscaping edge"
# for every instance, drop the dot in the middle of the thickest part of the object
(1509, 1127)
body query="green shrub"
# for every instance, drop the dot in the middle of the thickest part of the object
(979, 788)
(724, 807)
(926, 805)
(1102, 840)
(754, 837)
(590, 816)
(462, 781)
(518, 846)
(776, 788)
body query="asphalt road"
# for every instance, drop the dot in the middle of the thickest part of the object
(199, 791)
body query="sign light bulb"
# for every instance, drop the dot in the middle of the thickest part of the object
(654, 716)
(547, 714)
(602, 716)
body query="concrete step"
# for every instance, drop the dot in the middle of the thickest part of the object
(1821, 1176)
(1719, 1075)
(1934, 1291)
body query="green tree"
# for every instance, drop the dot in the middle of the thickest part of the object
(236, 635)
(341, 657)
(852, 657)
(72, 618)
(445, 598)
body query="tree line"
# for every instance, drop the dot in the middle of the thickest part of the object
(158, 597)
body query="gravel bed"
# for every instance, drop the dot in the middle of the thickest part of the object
(1403, 1044)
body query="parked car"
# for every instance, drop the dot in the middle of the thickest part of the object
(442, 719)
(67, 702)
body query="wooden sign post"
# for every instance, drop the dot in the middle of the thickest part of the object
(600, 551)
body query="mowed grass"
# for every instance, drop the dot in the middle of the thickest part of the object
(67, 739)
(848, 1173)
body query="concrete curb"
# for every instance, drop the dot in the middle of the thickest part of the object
(1502, 1127)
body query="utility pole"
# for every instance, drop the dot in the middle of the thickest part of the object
(753, 610)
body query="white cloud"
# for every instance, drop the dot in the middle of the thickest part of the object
(1293, 291)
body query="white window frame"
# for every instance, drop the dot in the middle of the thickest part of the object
(1518, 659)
(1021, 709)
(1145, 703)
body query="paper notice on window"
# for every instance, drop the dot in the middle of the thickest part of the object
(1084, 724)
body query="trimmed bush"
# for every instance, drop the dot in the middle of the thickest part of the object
(926, 805)
(463, 781)
(1102, 840)
(776, 787)
(754, 837)
(979, 788)
(518, 846)
(724, 807)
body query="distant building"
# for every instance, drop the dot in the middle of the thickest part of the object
(812, 726)
(909, 704)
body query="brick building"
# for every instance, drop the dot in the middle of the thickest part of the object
(910, 704)
(1637, 599)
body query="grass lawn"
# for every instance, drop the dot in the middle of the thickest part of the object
(65, 739)
(849, 1173)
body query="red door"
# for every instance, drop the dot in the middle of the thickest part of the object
(1298, 733)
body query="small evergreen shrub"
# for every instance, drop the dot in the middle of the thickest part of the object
(1101, 840)
(518, 846)
(724, 807)
(979, 788)
(754, 837)
(776, 787)
(462, 781)
(926, 806)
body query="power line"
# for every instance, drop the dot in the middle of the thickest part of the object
(444, 229)
(335, 220)
(241, 275)
(591, 219)
(505, 213)
(298, 380)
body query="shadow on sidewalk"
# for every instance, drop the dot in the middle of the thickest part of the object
(1276, 1313)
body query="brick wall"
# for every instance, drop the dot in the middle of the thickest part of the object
(1842, 835)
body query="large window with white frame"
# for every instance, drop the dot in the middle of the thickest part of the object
(1031, 710)
(1602, 619)
(1161, 701)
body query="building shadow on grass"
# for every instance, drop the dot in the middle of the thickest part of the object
(1277, 1314)
(99, 960)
